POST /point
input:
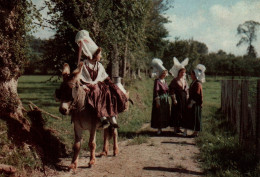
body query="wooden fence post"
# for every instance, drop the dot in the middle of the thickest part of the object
(244, 111)
(258, 121)
(235, 102)
(230, 83)
(222, 95)
(237, 109)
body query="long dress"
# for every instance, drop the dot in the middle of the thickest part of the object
(160, 116)
(193, 119)
(178, 111)
(104, 97)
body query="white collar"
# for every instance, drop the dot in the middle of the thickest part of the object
(162, 80)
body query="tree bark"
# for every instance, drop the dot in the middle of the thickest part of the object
(124, 62)
(115, 62)
(8, 94)
(138, 71)
(133, 75)
(11, 59)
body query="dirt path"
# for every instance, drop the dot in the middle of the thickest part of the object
(164, 155)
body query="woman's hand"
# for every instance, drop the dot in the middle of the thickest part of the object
(174, 99)
(92, 87)
(157, 105)
(190, 105)
(85, 88)
(192, 102)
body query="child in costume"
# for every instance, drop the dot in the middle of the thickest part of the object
(103, 95)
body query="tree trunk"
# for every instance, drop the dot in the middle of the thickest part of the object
(124, 62)
(115, 62)
(11, 104)
(12, 57)
(138, 71)
(133, 75)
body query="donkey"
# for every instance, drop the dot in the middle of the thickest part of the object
(72, 101)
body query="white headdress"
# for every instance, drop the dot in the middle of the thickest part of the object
(89, 47)
(177, 66)
(158, 67)
(200, 72)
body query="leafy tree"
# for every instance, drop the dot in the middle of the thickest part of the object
(119, 27)
(16, 21)
(182, 49)
(247, 31)
(155, 29)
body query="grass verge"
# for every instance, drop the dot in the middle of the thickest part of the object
(220, 151)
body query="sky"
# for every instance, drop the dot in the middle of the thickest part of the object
(213, 22)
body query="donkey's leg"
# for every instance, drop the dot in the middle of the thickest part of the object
(115, 136)
(76, 147)
(92, 146)
(106, 142)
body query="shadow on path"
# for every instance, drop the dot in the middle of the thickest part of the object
(174, 170)
(179, 143)
(149, 133)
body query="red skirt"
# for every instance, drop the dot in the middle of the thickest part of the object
(106, 99)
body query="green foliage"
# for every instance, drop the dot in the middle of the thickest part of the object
(16, 20)
(132, 27)
(227, 64)
(35, 63)
(182, 49)
(155, 30)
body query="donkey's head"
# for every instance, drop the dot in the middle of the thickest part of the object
(67, 93)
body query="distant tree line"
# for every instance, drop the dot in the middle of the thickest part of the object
(131, 33)
(217, 63)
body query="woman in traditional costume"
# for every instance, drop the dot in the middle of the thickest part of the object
(106, 98)
(161, 106)
(193, 120)
(178, 90)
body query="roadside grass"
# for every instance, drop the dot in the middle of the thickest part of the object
(23, 158)
(139, 140)
(220, 151)
(140, 112)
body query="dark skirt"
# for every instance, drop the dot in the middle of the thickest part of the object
(193, 119)
(106, 99)
(179, 110)
(161, 116)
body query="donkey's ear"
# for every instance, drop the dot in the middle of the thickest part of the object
(78, 70)
(66, 70)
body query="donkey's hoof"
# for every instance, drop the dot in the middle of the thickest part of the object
(115, 152)
(73, 166)
(104, 153)
(92, 162)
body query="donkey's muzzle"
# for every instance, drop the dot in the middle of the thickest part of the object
(63, 111)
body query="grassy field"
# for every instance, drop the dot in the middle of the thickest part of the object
(221, 155)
